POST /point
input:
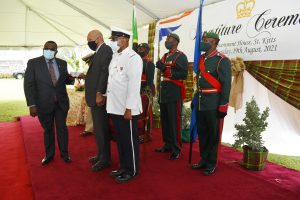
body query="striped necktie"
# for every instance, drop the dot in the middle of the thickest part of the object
(52, 72)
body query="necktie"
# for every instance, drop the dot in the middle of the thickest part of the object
(52, 72)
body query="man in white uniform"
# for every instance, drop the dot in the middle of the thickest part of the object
(124, 104)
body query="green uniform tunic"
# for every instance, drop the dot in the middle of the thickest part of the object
(209, 104)
(171, 101)
(148, 75)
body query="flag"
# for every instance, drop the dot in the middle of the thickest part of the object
(166, 31)
(134, 30)
(197, 54)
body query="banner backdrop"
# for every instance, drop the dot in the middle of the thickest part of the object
(251, 29)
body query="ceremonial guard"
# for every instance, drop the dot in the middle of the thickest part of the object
(174, 69)
(148, 68)
(124, 105)
(213, 89)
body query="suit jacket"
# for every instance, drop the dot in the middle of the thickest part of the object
(97, 74)
(39, 89)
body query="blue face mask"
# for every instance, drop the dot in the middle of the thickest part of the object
(49, 54)
(114, 46)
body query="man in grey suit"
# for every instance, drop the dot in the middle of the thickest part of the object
(95, 90)
(45, 91)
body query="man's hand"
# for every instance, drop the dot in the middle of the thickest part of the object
(127, 114)
(82, 76)
(33, 111)
(222, 111)
(221, 114)
(160, 65)
(100, 99)
(70, 77)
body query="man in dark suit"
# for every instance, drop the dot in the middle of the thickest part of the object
(95, 89)
(46, 95)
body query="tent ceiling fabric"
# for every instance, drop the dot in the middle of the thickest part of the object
(28, 23)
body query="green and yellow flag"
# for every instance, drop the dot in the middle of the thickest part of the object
(134, 30)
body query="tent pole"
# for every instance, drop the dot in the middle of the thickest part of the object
(52, 25)
(143, 9)
(84, 13)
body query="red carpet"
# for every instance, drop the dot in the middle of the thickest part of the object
(14, 176)
(159, 178)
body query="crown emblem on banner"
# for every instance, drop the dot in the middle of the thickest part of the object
(244, 8)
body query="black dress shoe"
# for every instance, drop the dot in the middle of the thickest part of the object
(93, 159)
(85, 133)
(46, 160)
(162, 150)
(117, 173)
(99, 166)
(209, 171)
(199, 166)
(174, 156)
(125, 178)
(67, 159)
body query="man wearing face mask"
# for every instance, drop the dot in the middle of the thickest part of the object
(45, 91)
(95, 90)
(124, 105)
(113, 41)
(174, 69)
(148, 68)
(213, 85)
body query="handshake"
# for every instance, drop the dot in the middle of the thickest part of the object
(87, 59)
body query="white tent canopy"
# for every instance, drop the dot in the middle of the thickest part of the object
(29, 23)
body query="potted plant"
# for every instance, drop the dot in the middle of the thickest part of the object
(186, 121)
(249, 136)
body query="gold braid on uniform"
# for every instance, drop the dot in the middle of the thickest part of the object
(237, 86)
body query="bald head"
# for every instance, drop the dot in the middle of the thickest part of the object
(95, 35)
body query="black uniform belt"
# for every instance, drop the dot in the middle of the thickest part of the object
(208, 90)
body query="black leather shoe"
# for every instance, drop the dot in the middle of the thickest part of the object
(117, 173)
(93, 159)
(174, 156)
(85, 133)
(125, 178)
(162, 150)
(99, 166)
(198, 166)
(67, 159)
(46, 160)
(209, 171)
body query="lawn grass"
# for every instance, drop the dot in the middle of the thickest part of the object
(292, 162)
(12, 99)
(11, 109)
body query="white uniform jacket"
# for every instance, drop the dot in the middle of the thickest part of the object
(124, 82)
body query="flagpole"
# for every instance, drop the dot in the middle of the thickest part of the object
(197, 54)
(134, 28)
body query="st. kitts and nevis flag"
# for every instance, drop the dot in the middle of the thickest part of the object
(134, 29)
(197, 54)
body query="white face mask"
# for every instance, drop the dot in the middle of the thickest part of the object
(49, 54)
(114, 46)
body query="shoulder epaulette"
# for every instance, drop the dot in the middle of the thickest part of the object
(221, 55)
